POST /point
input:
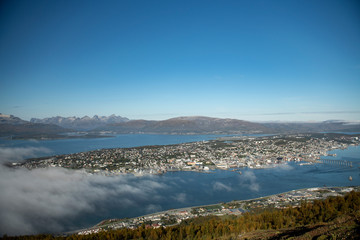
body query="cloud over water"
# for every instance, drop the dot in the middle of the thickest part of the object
(51, 200)
(44, 200)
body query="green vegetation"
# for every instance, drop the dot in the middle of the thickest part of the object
(216, 144)
(333, 218)
(280, 142)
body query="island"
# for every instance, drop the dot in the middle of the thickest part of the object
(224, 153)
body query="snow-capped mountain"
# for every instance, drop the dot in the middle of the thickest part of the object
(84, 123)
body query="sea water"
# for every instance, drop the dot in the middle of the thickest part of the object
(127, 196)
(67, 146)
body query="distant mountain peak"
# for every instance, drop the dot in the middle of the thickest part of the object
(10, 119)
(83, 123)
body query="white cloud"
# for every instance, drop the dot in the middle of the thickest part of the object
(151, 208)
(18, 154)
(44, 200)
(180, 197)
(249, 180)
(284, 167)
(218, 186)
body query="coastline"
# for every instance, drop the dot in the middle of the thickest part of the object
(235, 207)
(252, 152)
(218, 183)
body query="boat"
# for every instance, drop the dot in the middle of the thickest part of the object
(350, 178)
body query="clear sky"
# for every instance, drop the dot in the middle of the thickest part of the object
(252, 60)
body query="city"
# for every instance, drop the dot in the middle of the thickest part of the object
(224, 153)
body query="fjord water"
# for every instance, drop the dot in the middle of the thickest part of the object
(67, 146)
(130, 196)
(184, 189)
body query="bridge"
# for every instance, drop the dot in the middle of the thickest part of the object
(336, 162)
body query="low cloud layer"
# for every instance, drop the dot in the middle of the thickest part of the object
(42, 200)
(56, 199)
(8, 154)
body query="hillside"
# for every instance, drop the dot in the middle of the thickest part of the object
(33, 129)
(11, 125)
(187, 125)
(344, 227)
(208, 125)
(304, 127)
(14, 127)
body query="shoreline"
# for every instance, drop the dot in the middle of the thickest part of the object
(280, 146)
(190, 162)
(307, 194)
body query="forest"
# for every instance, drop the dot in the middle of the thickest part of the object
(230, 227)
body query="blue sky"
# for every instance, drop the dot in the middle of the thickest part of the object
(251, 60)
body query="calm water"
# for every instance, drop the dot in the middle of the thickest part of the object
(221, 185)
(67, 146)
(182, 189)
(129, 196)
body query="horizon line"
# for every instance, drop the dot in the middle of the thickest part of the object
(214, 117)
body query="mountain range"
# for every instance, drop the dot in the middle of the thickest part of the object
(55, 127)
(187, 125)
(81, 124)
(11, 119)
(13, 126)
(313, 127)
